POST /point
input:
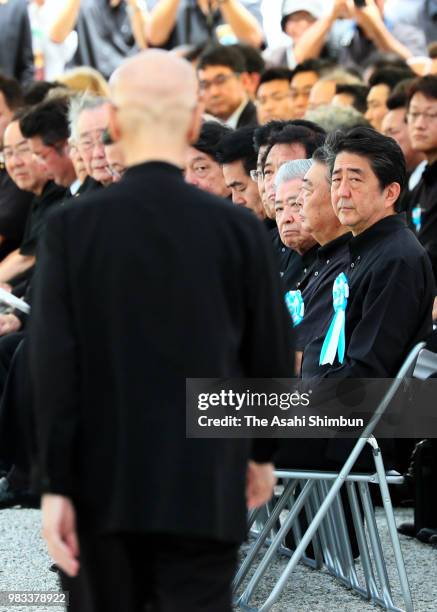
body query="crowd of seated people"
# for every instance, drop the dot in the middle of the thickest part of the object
(339, 164)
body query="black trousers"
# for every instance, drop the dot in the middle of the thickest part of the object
(152, 573)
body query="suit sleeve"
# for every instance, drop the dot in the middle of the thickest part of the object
(25, 67)
(54, 363)
(269, 347)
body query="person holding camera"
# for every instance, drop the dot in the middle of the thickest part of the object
(365, 32)
(192, 22)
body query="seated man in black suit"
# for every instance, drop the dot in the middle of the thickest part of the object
(318, 218)
(301, 244)
(149, 515)
(385, 290)
(389, 277)
(30, 175)
(222, 71)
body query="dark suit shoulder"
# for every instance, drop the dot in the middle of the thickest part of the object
(248, 117)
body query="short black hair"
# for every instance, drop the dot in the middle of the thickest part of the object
(397, 100)
(19, 113)
(390, 76)
(220, 55)
(426, 85)
(261, 134)
(384, 154)
(313, 65)
(192, 52)
(11, 90)
(238, 145)
(211, 133)
(399, 96)
(48, 120)
(36, 92)
(279, 73)
(290, 134)
(359, 94)
(315, 127)
(252, 57)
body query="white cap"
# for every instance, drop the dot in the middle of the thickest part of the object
(313, 7)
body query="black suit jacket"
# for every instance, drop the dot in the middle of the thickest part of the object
(248, 116)
(109, 364)
(16, 55)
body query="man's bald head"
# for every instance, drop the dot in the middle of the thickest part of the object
(155, 82)
(155, 112)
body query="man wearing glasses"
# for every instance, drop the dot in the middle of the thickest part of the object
(30, 175)
(89, 119)
(222, 74)
(422, 124)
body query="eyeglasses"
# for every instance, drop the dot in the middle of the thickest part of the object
(413, 116)
(19, 151)
(256, 175)
(218, 80)
(87, 141)
(275, 97)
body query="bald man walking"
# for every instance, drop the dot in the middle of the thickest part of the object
(137, 516)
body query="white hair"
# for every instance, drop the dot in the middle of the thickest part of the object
(80, 103)
(292, 170)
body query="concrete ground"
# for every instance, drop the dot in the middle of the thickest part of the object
(24, 566)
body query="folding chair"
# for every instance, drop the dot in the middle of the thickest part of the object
(319, 498)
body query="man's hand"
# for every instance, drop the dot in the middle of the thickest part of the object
(260, 481)
(369, 18)
(341, 8)
(59, 531)
(9, 323)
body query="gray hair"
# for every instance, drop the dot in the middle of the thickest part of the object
(292, 170)
(341, 77)
(332, 117)
(80, 103)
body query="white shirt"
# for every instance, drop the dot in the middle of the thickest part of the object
(416, 175)
(53, 56)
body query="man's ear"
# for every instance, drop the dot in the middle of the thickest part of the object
(114, 128)
(392, 193)
(246, 81)
(195, 123)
